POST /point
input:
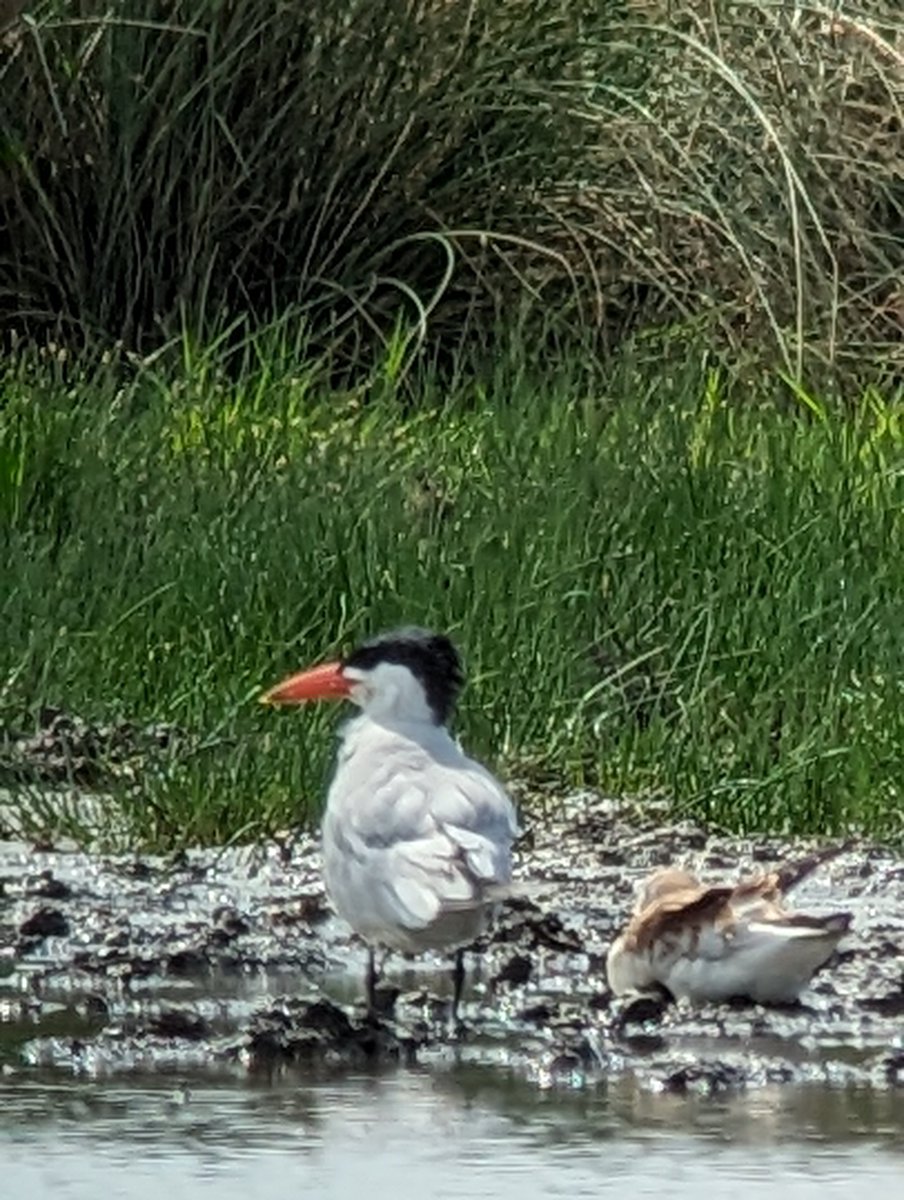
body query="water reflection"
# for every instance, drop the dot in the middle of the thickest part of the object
(623, 1109)
(156, 1109)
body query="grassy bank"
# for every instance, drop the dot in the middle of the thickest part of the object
(660, 583)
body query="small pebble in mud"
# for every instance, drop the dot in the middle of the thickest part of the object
(94, 1005)
(43, 923)
(599, 1001)
(709, 1078)
(537, 1014)
(543, 929)
(229, 924)
(190, 961)
(894, 1069)
(48, 886)
(175, 1023)
(305, 910)
(516, 971)
(890, 1005)
(136, 869)
(648, 1006)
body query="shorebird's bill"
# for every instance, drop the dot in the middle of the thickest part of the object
(325, 682)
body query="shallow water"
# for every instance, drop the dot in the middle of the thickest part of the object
(466, 1132)
(193, 1028)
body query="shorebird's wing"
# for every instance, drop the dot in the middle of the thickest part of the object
(678, 917)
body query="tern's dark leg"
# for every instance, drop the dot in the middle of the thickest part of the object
(458, 981)
(371, 980)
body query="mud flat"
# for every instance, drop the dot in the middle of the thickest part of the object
(231, 960)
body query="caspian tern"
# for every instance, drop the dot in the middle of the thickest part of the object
(719, 943)
(417, 837)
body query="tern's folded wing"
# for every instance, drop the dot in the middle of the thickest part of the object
(426, 877)
(416, 804)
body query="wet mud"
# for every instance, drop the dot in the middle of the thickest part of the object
(232, 960)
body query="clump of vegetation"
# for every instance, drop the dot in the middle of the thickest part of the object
(172, 163)
(754, 185)
(379, 165)
(660, 587)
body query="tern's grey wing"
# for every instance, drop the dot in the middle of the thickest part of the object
(466, 856)
(430, 842)
(409, 800)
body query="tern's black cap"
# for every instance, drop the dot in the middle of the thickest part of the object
(430, 657)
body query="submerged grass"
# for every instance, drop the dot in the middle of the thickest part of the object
(660, 585)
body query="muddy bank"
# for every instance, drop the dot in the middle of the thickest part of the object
(233, 960)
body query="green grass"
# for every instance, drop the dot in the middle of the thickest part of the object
(662, 583)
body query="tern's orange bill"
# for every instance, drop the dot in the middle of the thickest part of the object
(325, 682)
